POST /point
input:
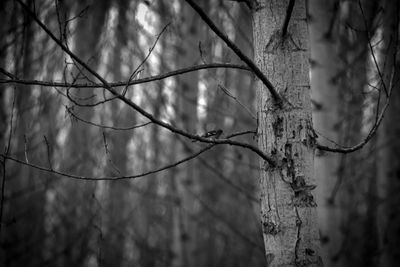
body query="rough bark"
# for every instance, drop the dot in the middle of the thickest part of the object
(288, 207)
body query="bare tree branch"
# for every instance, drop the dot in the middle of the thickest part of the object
(238, 52)
(345, 150)
(70, 112)
(16, 80)
(129, 102)
(379, 116)
(107, 178)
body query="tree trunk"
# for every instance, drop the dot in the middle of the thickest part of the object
(325, 66)
(389, 145)
(288, 208)
(185, 241)
(116, 209)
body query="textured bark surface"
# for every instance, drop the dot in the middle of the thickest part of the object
(288, 207)
(325, 65)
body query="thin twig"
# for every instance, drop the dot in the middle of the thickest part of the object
(108, 154)
(70, 112)
(116, 178)
(26, 148)
(371, 133)
(226, 91)
(372, 50)
(135, 72)
(109, 178)
(48, 152)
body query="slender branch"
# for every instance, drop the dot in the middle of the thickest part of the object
(14, 79)
(229, 94)
(70, 112)
(287, 17)
(115, 178)
(137, 70)
(48, 152)
(379, 116)
(108, 178)
(345, 150)
(372, 50)
(129, 102)
(238, 52)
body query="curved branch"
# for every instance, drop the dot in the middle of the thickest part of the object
(70, 112)
(345, 150)
(108, 178)
(237, 51)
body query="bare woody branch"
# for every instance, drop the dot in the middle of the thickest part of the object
(143, 112)
(17, 80)
(108, 178)
(115, 128)
(371, 133)
(379, 116)
(275, 95)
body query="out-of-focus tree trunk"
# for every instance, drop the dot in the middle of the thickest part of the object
(351, 185)
(325, 93)
(116, 221)
(288, 208)
(78, 233)
(5, 14)
(23, 224)
(389, 145)
(185, 233)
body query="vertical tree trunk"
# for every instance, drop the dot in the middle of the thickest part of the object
(116, 225)
(184, 235)
(352, 186)
(325, 66)
(80, 154)
(288, 208)
(389, 144)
